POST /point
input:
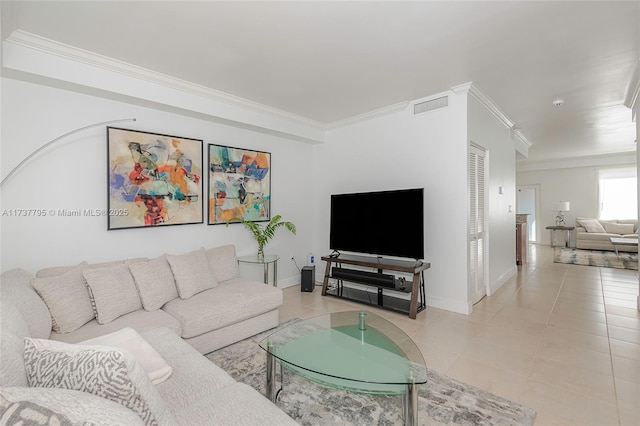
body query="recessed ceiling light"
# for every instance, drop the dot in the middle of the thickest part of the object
(558, 102)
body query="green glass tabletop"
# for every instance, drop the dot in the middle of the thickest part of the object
(354, 350)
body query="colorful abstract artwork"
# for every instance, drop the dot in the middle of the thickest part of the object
(154, 180)
(239, 184)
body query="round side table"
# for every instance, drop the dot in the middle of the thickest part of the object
(266, 261)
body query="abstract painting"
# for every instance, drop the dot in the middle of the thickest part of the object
(154, 179)
(239, 184)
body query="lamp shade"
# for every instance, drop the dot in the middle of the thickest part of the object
(562, 206)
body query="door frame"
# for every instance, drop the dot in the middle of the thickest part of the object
(536, 187)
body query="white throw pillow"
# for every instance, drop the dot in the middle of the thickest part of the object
(223, 262)
(113, 292)
(67, 298)
(129, 340)
(192, 273)
(591, 225)
(105, 372)
(619, 228)
(155, 282)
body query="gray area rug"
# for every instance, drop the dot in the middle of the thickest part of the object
(605, 259)
(441, 401)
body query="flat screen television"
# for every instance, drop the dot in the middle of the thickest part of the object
(386, 223)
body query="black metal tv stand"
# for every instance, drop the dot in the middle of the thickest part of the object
(387, 290)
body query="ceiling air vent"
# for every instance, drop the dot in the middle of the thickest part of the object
(431, 105)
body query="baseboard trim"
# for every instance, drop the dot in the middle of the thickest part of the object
(449, 305)
(502, 280)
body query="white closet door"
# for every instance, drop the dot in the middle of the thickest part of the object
(477, 166)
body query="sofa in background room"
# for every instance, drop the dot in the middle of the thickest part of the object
(596, 234)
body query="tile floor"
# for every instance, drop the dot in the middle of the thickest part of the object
(561, 339)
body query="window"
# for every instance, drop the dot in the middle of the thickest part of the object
(618, 194)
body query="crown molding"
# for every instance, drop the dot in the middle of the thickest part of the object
(484, 100)
(614, 159)
(75, 54)
(522, 143)
(400, 106)
(633, 92)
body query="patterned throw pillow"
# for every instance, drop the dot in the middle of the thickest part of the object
(192, 273)
(40, 406)
(99, 370)
(30, 413)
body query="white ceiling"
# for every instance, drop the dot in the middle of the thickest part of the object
(328, 61)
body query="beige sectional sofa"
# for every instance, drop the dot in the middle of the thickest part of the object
(595, 234)
(50, 372)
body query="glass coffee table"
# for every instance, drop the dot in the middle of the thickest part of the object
(357, 351)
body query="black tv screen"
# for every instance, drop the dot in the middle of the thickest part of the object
(388, 223)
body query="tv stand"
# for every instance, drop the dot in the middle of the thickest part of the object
(387, 296)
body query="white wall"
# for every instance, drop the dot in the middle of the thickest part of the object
(578, 185)
(402, 150)
(486, 131)
(398, 150)
(72, 175)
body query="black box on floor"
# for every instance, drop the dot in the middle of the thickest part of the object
(307, 280)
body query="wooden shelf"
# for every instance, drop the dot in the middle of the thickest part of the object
(385, 296)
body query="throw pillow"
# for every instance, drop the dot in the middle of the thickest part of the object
(30, 413)
(39, 406)
(619, 228)
(129, 340)
(67, 298)
(223, 262)
(591, 225)
(105, 372)
(192, 273)
(113, 292)
(155, 282)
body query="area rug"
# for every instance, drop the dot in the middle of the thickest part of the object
(441, 401)
(605, 259)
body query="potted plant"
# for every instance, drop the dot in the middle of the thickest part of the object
(263, 234)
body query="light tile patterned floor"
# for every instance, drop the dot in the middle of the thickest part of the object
(561, 339)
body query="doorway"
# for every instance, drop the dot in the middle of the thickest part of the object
(528, 202)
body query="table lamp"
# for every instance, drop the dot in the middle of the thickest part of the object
(561, 207)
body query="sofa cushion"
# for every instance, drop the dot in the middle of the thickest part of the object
(226, 304)
(595, 236)
(140, 321)
(105, 372)
(54, 271)
(618, 228)
(28, 406)
(67, 298)
(194, 376)
(192, 273)
(129, 340)
(113, 292)
(155, 282)
(591, 225)
(16, 290)
(223, 262)
(231, 403)
(12, 334)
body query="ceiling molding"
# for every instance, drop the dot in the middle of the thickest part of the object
(614, 159)
(52, 47)
(391, 109)
(633, 92)
(493, 108)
